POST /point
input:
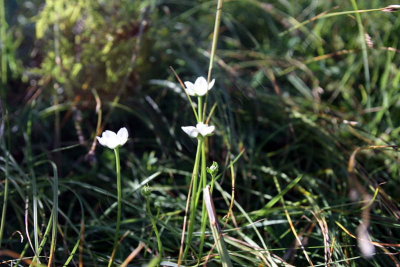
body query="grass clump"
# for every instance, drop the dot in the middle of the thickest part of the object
(305, 110)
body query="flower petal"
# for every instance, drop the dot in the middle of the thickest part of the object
(189, 85)
(200, 86)
(112, 143)
(112, 140)
(191, 92)
(102, 141)
(190, 88)
(109, 134)
(204, 129)
(191, 131)
(122, 136)
(200, 81)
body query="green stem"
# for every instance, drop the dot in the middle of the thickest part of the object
(200, 108)
(54, 215)
(196, 189)
(364, 48)
(155, 229)
(43, 242)
(217, 24)
(35, 197)
(4, 211)
(22, 254)
(53, 222)
(3, 34)
(216, 230)
(215, 38)
(119, 207)
(193, 202)
(204, 184)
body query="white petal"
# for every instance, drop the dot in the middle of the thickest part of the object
(102, 141)
(364, 241)
(112, 143)
(109, 134)
(204, 129)
(200, 86)
(200, 126)
(366, 247)
(112, 140)
(190, 88)
(191, 92)
(211, 84)
(210, 129)
(200, 81)
(191, 131)
(189, 85)
(200, 91)
(122, 136)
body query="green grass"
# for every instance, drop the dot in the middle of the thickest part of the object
(298, 90)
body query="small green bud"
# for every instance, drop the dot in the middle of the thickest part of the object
(213, 169)
(146, 191)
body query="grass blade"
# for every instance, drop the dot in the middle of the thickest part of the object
(216, 231)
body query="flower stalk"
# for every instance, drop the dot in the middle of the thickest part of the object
(119, 206)
(146, 193)
(201, 131)
(204, 184)
(193, 205)
(200, 89)
(114, 141)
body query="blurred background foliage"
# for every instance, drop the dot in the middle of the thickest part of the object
(296, 98)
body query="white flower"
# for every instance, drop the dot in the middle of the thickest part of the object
(391, 8)
(200, 129)
(364, 241)
(200, 87)
(113, 140)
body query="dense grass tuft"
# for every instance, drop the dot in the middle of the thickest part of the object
(307, 127)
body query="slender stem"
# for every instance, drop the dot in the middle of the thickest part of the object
(3, 37)
(364, 48)
(200, 108)
(54, 215)
(53, 222)
(6, 147)
(193, 202)
(155, 229)
(215, 38)
(188, 202)
(22, 255)
(201, 153)
(204, 184)
(217, 24)
(5, 201)
(35, 197)
(216, 229)
(292, 227)
(43, 242)
(119, 207)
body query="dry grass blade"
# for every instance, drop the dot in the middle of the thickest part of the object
(300, 243)
(325, 233)
(133, 254)
(215, 228)
(357, 190)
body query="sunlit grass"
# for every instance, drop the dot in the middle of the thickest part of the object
(305, 109)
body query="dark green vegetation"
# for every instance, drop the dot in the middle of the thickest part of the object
(297, 91)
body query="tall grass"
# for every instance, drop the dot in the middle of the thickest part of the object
(307, 126)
